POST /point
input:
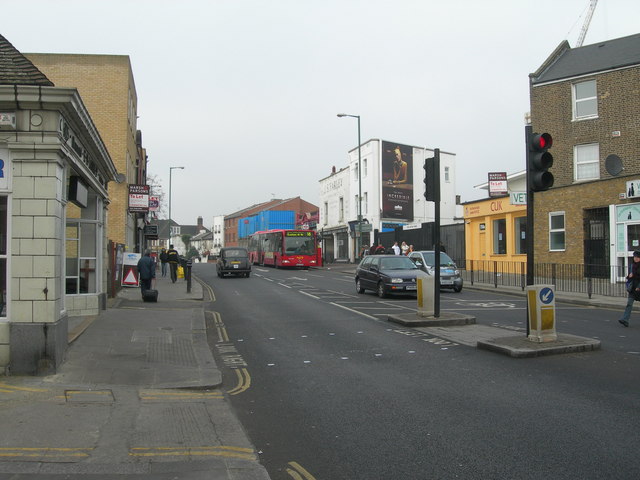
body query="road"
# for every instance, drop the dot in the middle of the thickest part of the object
(328, 389)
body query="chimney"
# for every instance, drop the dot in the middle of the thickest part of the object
(200, 226)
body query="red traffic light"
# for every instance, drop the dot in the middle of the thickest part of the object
(541, 141)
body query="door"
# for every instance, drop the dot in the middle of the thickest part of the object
(633, 243)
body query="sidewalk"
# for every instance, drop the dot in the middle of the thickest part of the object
(137, 395)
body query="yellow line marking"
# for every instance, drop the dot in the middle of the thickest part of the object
(244, 382)
(223, 336)
(221, 451)
(207, 287)
(299, 472)
(20, 389)
(47, 452)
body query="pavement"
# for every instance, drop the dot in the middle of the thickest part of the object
(138, 396)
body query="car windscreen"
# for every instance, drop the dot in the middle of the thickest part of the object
(397, 263)
(234, 253)
(445, 260)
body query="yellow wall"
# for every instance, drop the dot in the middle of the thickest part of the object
(480, 241)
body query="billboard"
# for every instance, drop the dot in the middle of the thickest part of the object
(397, 181)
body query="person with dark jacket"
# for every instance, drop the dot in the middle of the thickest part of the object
(173, 258)
(146, 271)
(633, 282)
(164, 259)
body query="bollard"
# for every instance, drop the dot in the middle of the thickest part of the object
(187, 276)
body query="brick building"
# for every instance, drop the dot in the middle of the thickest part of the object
(107, 87)
(588, 99)
(54, 176)
(299, 206)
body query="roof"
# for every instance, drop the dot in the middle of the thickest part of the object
(566, 62)
(16, 69)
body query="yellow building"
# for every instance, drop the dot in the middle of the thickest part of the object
(495, 230)
(107, 88)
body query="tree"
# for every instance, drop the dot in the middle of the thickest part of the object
(186, 239)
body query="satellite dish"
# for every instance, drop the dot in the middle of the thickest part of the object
(613, 165)
(120, 177)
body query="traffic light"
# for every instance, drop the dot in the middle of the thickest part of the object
(432, 178)
(540, 160)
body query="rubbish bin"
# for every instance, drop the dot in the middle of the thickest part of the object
(541, 304)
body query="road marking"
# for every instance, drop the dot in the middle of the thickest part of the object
(223, 336)
(10, 389)
(283, 285)
(148, 395)
(244, 382)
(297, 472)
(210, 451)
(207, 287)
(46, 452)
(308, 294)
(353, 311)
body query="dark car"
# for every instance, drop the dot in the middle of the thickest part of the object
(385, 274)
(449, 274)
(234, 261)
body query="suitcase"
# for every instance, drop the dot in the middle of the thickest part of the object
(150, 295)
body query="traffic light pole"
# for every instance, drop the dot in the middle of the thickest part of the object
(529, 239)
(436, 232)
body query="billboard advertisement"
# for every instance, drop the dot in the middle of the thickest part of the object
(397, 181)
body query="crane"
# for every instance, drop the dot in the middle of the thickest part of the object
(587, 21)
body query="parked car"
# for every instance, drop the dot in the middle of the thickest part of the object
(449, 274)
(234, 261)
(385, 274)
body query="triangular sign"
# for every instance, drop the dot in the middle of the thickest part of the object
(130, 277)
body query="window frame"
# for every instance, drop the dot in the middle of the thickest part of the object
(555, 231)
(497, 243)
(575, 101)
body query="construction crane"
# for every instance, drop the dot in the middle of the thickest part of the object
(587, 21)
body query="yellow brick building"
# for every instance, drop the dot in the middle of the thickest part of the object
(107, 88)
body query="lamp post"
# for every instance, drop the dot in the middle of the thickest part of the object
(359, 231)
(171, 169)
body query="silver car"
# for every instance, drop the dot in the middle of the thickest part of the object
(449, 274)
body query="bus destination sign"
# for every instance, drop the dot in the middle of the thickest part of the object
(298, 234)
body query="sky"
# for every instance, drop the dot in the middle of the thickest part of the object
(244, 94)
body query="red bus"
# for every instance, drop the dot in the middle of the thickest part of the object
(284, 248)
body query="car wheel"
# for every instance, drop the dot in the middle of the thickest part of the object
(457, 289)
(381, 292)
(247, 274)
(359, 288)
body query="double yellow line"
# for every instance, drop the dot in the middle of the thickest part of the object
(297, 472)
(151, 395)
(244, 381)
(221, 451)
(223, 336)
(4, 388)
(44, 452)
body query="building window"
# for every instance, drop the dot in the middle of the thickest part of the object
(520, 235)
(446, 174)
(556, 231)
(3, 255)
(585, 100)
(364, 167)
(357, 205)
(586, 162)
(341, 209)
(500, 237)
(326, 214)
(82, 234)
(365, 201)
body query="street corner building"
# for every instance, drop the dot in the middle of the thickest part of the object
(54, 175)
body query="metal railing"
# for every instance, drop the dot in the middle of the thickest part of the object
(575, 278)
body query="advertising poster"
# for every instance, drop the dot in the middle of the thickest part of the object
(397, 181)
(130, 269)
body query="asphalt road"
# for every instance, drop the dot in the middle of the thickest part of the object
(328, 389)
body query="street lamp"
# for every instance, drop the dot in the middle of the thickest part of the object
(171, 169)
(359, 234)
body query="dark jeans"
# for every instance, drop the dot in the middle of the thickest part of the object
(145, 284)
(164, 269)
(174, 271)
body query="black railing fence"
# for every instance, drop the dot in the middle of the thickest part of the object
(574, 278)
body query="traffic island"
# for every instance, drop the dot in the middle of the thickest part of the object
(446, 319)
(519, 346)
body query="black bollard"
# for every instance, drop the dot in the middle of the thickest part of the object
(187, 276)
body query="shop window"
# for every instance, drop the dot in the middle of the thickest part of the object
(3, 255)
(500, 237)
(556, 231)
(82, 234)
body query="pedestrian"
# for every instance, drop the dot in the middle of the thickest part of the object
(164, 259)
(146, 271)
(410, 251)
(396, 248)
(633, 288)
(380, 250)
(405, 248)
(173, 258)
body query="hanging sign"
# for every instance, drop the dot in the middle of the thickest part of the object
(130, 269)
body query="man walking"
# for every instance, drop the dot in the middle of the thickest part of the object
(147, 271)
(173, 258)
(164, 260)
(633, 282)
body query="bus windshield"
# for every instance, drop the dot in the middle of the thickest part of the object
(299, 246)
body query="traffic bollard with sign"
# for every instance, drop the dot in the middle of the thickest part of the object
(541, 303)
(425, 284)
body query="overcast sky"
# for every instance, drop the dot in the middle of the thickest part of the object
(244, 93)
